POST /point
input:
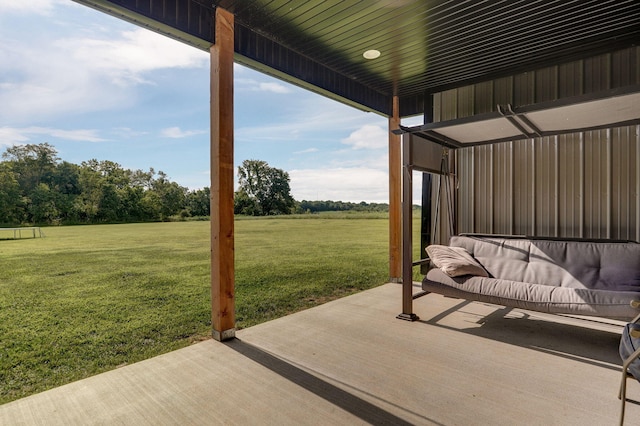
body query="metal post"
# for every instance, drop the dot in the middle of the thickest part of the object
(407, 232)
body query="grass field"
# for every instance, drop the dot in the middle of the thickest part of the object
(87, 299)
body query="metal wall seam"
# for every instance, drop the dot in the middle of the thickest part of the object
(638, 181)
(556, 206)
(609, 176)
(511, 189)
(582, 189)
(533, 187)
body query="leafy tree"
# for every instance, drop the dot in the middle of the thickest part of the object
(171, 194)
(43, 207)
(10, 198)
(32, 164)
(199, 202)
(263, 190)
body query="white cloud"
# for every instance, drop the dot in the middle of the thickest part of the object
(46, 77)
(354, 184)
(128, 133)
(126, 58)
(253, 85)
(177, 133)
(310, 116)
(13, 135)
(368, 137)
(307, 151)
(340, 184)
(41, 7)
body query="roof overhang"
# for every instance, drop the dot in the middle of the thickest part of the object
(426, 46)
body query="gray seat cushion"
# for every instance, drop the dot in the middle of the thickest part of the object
(577, 277)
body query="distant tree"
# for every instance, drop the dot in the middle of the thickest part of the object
(42, 207)
(199, 202)
(171, 195)
(10, 197)
(32, 164)
(263, 190)
(305, 206)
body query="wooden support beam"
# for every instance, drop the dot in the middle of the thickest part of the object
(395, 196)
(222, 173)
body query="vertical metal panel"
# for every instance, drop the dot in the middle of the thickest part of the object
(483, 99)
(503, 91)
(637, 186)
(577, 185)
(624, 177)
(570, 188)
(546, 84)
(524, 88)
(501, 188)
(545, 191)
(437, 107)
(570, 79)
(597, 73)
(524, 187)
(483, 189)
(624, 68)
(465, 185)
(449, 105)
(465, 102)
(596, 184)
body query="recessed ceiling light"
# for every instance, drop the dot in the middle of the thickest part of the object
(371, 54)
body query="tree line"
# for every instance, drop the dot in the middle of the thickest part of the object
(37, 187)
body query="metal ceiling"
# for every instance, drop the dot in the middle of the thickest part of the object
(426, 45)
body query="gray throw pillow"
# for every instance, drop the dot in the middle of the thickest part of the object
(455, 261)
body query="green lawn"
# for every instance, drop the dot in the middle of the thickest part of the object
(87, 299)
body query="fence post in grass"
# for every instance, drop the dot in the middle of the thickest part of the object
(395, 196)
(222, 173)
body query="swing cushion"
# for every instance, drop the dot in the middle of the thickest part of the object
(596, 278)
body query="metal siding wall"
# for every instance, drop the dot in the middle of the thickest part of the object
(578, 185)
(570, 189)
(624, 190)
(546, 191)
(524, 184)
(483, 99)
(483, 189)
(465, 189)
(596, 184)
(502, 220)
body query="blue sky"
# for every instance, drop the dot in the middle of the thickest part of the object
(97, 87)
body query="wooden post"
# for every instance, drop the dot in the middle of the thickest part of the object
(222, 173)
(395, 196)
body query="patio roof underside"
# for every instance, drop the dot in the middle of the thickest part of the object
(426, 46)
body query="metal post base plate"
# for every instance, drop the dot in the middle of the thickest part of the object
(408, 317)
(225, 335)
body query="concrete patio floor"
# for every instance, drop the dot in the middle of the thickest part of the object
(351, 362)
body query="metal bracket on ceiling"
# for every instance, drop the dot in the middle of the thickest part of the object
(520, 121)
